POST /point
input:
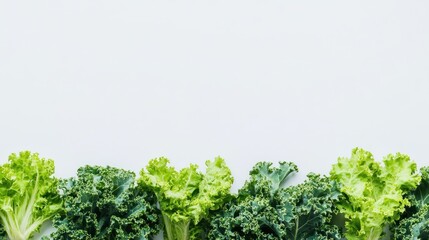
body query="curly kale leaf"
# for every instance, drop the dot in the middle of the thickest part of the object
(314, 205)
(263, 210)
(266, 180)
(374, 194)
(105, 203)
(414, 223)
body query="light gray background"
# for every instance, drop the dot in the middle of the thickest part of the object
(119, 83)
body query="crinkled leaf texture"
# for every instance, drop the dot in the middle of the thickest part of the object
(28, 194)
(414, 223)
(264, 210)
(186, 196)
(105, 203)
(373, 194)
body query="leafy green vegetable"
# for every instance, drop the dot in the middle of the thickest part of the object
(263, 210)
(373, 194)
(106, 203)
(415, 221)
(28, 194)
(187, 196)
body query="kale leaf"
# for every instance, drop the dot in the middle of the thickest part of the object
(264, 210)
(414, 223)
(106, 203)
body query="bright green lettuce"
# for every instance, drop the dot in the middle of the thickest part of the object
(374, 194)
(186, 196)
(28, 194)
(263, 210)
(415, 221)
(105, 203)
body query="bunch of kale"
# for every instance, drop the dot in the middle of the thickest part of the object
(414, 223)
(264, 210)
(106, 203)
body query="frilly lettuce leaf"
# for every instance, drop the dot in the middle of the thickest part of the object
(28, 194)
(186, 196)
(374, 194)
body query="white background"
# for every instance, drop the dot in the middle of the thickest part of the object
(121, 82)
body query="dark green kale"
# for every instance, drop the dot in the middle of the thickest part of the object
(264, 210)
(105, 203)
(414, 223)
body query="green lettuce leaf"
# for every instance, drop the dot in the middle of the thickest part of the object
(374, 194)
(28, 194)
(186, 196)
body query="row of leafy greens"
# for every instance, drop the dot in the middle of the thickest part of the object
(111, 203)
